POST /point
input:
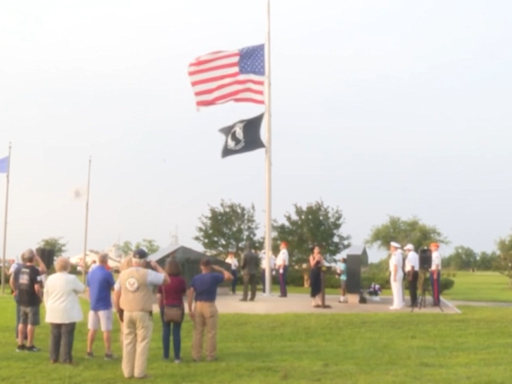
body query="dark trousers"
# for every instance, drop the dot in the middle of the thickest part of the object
(249, 279)
(435, 287)
(263, 279)
(234, 281)
(282, 282)
(413, 287)
(61, 342)
(167, 329)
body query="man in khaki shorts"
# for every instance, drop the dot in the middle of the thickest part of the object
(100, 282)
(133, 300)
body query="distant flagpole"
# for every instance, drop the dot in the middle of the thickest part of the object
(268, 162)
(5, 218)
(87, 220)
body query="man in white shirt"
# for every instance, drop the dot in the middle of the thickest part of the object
(282, 265)
(263, 266)
(412, 266)
(396, 275)
(435, 273)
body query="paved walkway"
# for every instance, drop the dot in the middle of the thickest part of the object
(480, 303)
(300, 303)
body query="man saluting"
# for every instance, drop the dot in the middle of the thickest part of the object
(134, 295)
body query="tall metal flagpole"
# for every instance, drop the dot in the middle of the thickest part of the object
(5, 218)
(268, 115)
(87, 220)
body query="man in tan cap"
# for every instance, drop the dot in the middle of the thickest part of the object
(133, 300)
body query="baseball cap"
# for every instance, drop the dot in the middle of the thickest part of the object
(140, 254)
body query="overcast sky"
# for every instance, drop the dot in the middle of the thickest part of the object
(379, 107)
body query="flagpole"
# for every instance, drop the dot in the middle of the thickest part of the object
(5, 218)
(87, 220)
(268, 162)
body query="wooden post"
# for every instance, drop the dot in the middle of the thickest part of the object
(322, 283)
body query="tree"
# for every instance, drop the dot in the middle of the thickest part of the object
(504, 265)
(54, 243)
(228, 226)
(313, 224)
(461, 258)
(487, 261)
(411, 231)
(149, 245)
(126, 248)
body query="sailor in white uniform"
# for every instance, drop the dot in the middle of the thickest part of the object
(396, 275)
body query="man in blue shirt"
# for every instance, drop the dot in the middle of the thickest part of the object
(204, 314)
(100, 283)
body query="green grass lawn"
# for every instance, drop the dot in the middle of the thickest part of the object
(480, 286)
(469, 286)
(473, 347)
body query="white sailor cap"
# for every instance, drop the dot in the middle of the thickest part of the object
(395, 244)
(409, 247)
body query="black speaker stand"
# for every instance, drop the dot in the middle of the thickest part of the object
(422, 299)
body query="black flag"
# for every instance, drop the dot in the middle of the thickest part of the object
(243, 136)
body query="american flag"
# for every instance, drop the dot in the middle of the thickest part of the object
(223, 76)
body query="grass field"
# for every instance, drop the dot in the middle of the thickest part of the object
(480, 286)
(469, 286)
(473, 347)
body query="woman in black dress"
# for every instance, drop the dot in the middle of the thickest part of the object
(316, 261)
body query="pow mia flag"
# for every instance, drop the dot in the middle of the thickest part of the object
(242, 136)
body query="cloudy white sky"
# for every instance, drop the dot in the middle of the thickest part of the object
(379, 107)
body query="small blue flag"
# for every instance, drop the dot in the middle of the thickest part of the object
(4, 164)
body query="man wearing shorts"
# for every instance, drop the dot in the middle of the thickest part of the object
(100, 283)
(27, 287)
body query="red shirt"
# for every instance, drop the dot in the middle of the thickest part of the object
(174, 291)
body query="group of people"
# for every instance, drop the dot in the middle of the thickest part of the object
(279, 265)
(412, 269)
(251, 263)
(132, 301)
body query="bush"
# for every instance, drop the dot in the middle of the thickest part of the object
(446, 284)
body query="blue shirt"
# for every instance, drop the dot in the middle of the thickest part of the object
(100, 283)
(205, 285)
(343, 269)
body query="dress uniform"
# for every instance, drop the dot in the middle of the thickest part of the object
(134, 299)
(435, 272)
(396, 275)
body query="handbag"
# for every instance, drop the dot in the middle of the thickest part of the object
(172, 314)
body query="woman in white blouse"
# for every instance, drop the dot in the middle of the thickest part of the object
(231, 259)
(62, 310)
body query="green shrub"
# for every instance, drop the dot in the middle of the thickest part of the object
(446, 284)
